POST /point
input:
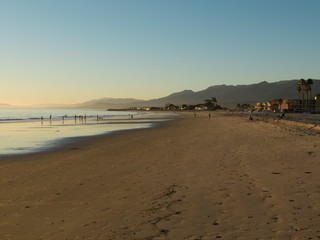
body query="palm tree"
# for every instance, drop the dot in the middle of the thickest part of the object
(309, 83)
(299, 91)
(305, 89)
(301, 85)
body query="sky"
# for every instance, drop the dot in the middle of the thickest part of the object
(72, 51)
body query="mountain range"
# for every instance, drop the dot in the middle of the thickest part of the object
(227, 96)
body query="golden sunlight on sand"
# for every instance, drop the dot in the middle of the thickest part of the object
(192, 178)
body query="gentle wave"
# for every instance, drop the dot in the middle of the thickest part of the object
(31, 134)
(36, 114)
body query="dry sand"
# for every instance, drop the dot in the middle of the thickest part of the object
(192, 178)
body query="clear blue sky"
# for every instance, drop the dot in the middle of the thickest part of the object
(70, 51)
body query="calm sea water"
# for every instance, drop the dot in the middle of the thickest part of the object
(34, 114)
(31, 130)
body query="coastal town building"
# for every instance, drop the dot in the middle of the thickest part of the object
(200, 108)
(269, 106)
(298, 105)
(290, 105)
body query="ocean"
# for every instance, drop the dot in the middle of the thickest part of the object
(27, 130)
(35, 114)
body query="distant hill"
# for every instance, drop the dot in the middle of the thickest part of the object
(5, 105)
(227, 96)
(107, 103)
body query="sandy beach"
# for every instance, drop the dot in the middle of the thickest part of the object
(191, 178)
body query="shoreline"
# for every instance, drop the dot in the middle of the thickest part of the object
(295, 121)
(191, 178)
(70, 143)
(30, 137)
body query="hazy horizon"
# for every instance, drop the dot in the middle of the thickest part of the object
(69, 52)
(122, 102)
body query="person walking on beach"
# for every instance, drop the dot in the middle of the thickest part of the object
(209, 116)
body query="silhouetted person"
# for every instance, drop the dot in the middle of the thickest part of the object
(281, 115)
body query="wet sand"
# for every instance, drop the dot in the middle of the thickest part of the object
(192, 178)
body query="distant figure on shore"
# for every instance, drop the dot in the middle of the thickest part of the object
(195, 115)
(281, 115)
(251, 111)
(209, 116)
(250, 118)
